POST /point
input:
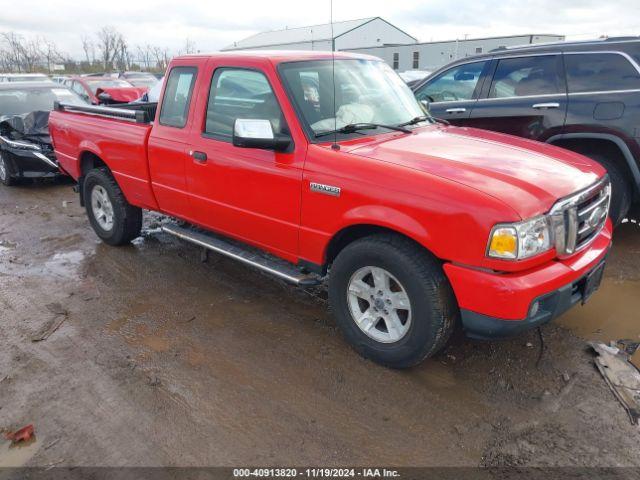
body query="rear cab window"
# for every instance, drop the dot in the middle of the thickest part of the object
(599, 72)
(526, 76)
(177, 97)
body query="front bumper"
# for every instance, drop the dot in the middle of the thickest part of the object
(494, 305)
(27, 163)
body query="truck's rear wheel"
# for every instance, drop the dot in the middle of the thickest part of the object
(392, 300)
(113, 219)
(6, 171)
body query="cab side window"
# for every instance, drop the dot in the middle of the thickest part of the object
(524, 76)
(596, 72)
(240, 93)
(177, 96)
(458, 83)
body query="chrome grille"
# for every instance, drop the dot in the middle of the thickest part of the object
(577, 219)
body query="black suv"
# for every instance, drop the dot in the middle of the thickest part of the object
(582, 96)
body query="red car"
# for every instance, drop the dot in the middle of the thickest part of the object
(415, 225)
(105, 90)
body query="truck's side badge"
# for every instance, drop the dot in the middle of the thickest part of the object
(326, 189)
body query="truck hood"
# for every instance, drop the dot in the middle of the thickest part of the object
(526, 175)
(122, 94)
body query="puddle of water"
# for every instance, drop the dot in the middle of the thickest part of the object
(64, 264)
(18, 455)
(611, 314)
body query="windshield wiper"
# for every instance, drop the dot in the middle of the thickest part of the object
(424, 118)
(413, 121)
(441, 120)
(354, 127)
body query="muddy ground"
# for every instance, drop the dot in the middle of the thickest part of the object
(161, 359)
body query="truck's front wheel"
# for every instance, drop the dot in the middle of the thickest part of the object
(113, 219)
(392, 300)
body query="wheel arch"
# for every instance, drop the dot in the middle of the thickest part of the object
(580, 142)
(90, 160)
(87, 161)
(350, 233)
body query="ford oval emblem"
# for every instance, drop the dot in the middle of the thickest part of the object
(596, 216)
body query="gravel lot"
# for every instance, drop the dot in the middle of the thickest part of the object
(161, 359)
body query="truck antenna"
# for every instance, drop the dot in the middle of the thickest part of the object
(335, 145)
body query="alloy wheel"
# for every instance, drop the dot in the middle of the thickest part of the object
(102, 207)
(379, 304)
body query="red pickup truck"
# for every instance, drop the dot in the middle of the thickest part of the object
(314, 168)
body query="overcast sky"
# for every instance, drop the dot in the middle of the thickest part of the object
(212, 25)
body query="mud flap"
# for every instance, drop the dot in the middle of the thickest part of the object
(78, 187)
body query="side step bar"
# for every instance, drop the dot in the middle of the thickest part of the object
(243, 253)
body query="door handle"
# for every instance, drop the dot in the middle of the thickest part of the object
(546, 105)
(199, 157)
(456, 110)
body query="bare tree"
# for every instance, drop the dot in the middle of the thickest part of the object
(123, 56)
(32, 54)
(13, 51)
(162, 57)
(145, 56)
(110, 45)
(51, 53)
(89, 49)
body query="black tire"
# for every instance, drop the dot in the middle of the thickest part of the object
(434, 310)
(6, 171)
(634, 213)
(127, 219)
(621, 189)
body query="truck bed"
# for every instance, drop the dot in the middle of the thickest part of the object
(119, 135)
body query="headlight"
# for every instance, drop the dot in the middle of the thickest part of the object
(517, 241)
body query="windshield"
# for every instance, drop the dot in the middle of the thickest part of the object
(17, 102)
(95, 84)
(366, 91)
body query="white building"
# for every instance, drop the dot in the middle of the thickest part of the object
(432, 55)
(351, 34)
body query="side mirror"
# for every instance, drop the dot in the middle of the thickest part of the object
(254, 133)
(425, 105)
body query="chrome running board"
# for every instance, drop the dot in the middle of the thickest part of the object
(243, 253)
